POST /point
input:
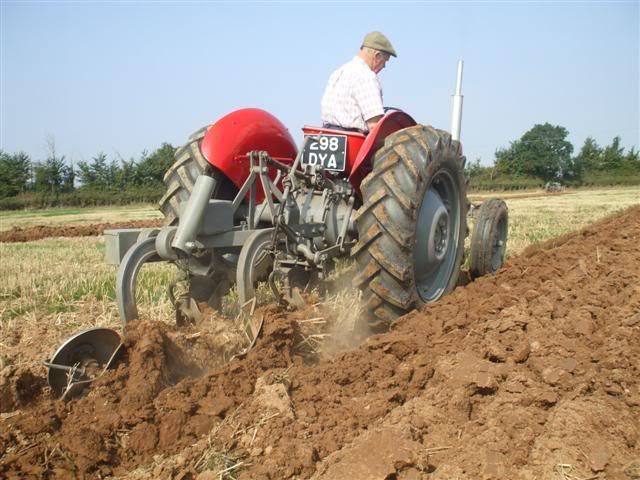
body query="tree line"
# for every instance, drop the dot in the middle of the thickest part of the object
(543, 154)
(53, 181)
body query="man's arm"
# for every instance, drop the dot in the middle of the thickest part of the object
(368, 97)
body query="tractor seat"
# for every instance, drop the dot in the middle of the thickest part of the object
(333, 130)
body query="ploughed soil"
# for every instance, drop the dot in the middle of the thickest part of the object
(17, 234)
(533, 373)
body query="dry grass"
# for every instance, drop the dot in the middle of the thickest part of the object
(52, 287)
(534, 219)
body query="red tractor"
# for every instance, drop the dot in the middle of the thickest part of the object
(243, 204)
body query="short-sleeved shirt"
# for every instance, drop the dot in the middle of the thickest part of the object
(353, 95)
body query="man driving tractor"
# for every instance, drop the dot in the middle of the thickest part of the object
(352, 99)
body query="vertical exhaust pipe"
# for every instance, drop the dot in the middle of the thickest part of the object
(456, 116)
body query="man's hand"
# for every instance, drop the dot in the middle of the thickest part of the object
(373, 121)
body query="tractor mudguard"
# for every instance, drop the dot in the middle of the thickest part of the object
(391, 122)
(227, 142)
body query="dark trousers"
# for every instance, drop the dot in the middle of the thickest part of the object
(338, 127)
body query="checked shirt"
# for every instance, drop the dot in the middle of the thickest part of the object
(353, 95)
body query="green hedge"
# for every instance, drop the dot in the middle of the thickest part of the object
(83, 198)
(522, 183)
(609, 180)
(505, 183)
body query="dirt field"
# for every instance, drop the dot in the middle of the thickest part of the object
(64, 217)
(531, 374)
(17, 234)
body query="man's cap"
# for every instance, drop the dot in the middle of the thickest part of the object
(378, 41)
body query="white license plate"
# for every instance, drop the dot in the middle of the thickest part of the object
(329, 151)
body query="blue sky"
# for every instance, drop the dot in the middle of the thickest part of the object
(122, 77)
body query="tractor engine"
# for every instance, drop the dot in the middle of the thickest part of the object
(317, 218)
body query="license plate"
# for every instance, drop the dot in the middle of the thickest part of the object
(329, 151)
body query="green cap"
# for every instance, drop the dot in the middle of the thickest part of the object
(378, 41)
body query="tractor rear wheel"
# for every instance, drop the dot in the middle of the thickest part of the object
(489, 238)
(180, 179)
(412, 224)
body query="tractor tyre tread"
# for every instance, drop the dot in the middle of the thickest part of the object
(181, 176)
(386, 222)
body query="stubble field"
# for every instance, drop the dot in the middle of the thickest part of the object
(532, 373)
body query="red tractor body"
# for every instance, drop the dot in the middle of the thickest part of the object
(227, 142)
